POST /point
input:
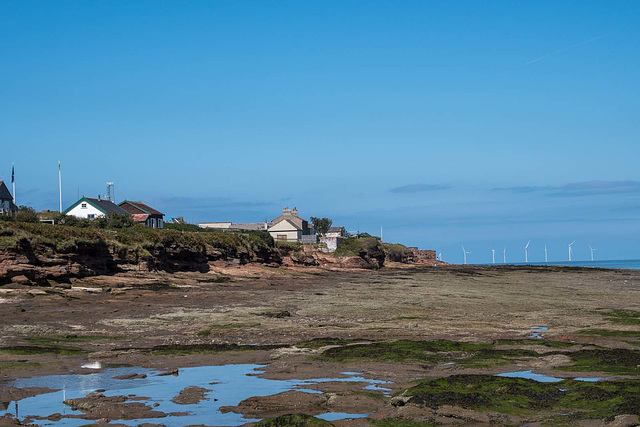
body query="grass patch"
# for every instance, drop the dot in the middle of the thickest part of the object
(293, 420)
(522, 397)
(207, 332)
(359, 246)
(179, 349)
(610, 333)
(45, 349)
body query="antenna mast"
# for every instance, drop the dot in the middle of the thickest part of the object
(111, 192)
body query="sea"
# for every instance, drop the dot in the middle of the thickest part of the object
(631, 264)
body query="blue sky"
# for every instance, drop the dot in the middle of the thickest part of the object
(445, 122)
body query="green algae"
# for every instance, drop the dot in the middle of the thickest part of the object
(546, 343)
(317, 343)
(44, 349)
(71, 338)
(436, 351)
(612, 361)
(293, 420)
(181, 349)
(6, 365)
(210, 329)
(623, 317)
(398, 423)
(524, 397)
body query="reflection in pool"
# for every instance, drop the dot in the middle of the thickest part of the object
(229, 384)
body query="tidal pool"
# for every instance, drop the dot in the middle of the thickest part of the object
(536, 331)
(229, 384)
(530, 375)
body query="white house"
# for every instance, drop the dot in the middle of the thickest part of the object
(289, 227)
(93, 208)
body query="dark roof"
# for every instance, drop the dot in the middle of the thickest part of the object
(105, 206)
(138, 208)
(4, 192)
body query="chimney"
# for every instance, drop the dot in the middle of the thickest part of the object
(98, 197)
(286, 211)
(294, 212)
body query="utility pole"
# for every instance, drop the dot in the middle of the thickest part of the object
(60, 183)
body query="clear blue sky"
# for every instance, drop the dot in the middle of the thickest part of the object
(446, 122)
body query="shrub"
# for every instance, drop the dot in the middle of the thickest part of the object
(26, 214)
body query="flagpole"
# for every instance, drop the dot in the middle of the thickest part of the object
(60, 184)
(13, 182)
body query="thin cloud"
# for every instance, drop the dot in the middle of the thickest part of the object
(419, 188)
(563, 50)
(577, 189)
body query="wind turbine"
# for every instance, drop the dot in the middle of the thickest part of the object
(493, 255)
(464, 254)
(592, 251)
(571, 250)
(546, 254)
(504, 255)
(526, 252)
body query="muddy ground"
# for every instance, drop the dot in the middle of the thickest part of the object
(168, 321)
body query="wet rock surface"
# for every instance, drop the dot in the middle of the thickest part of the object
(190, 395)
(97, 406)
(293, 401)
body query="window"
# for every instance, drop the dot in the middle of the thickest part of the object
(91, 216)
(281, 237)
(83, 206)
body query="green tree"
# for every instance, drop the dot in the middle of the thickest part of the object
(321, 225)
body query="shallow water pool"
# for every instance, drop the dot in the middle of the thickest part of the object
(230, 384)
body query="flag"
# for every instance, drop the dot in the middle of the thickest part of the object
(13, 174)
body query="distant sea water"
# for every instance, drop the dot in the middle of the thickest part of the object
(632, 264)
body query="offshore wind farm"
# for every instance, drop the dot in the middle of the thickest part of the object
(335, 213)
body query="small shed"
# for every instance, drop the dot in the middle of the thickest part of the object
(143, 213)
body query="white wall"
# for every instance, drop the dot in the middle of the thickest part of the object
(292, 236)
(218, 225)
(84, 212)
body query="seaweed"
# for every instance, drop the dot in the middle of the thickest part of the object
(293, 420)
(524, 397)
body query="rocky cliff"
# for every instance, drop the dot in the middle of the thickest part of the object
(41, 252)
